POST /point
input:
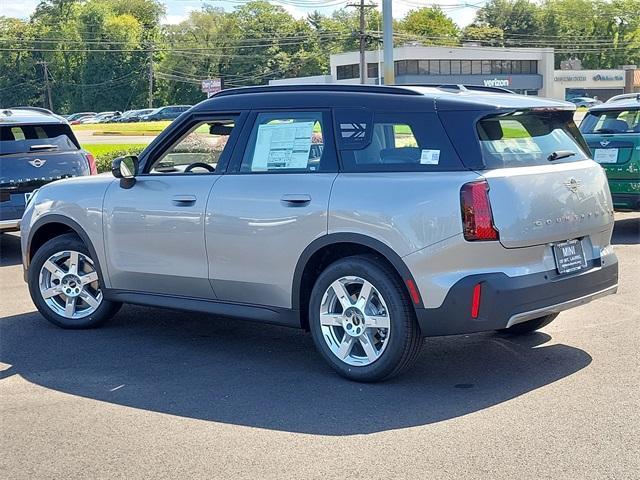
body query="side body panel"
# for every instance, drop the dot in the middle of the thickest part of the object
(407, 211)
(254, 238)
(154, 235)
(78, 199)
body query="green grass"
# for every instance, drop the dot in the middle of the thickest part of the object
(105, 153)
(129, 129)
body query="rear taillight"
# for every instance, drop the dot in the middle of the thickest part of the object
(93, 169)
(477, 219)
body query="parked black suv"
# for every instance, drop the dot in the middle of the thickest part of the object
(36, 147)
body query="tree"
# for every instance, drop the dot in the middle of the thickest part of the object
(484, 34)
(431, 24)
(511, 16)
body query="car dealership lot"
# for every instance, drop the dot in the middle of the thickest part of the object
(160, 394)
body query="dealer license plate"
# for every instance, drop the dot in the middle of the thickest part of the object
(569, 257)
(606, 155)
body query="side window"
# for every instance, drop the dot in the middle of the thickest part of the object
(285, 142)
(402, 142)
(17, 132)
(197, 152)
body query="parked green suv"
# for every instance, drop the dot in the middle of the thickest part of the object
(612, 131)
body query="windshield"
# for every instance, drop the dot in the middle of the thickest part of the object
(36, 138)
(612, 121)
(529, 138)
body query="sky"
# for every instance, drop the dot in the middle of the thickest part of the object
(178, 10)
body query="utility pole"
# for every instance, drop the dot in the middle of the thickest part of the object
(45, 71)
(151, 76)
(387, 40)
(362, 35)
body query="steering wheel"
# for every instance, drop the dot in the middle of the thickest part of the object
(206, 166)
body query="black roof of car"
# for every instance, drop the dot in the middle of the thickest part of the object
(410, 97)
(28, 116)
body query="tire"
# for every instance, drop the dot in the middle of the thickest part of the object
(369, 353)
(529, 326)
(89, 308)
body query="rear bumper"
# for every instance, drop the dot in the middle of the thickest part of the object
(505, 301)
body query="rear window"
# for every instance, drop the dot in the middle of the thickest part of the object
(36, 138)
(523, 139)
(397, 142)
(612, 121)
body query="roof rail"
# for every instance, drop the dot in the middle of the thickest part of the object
(328, 87)
(464, 88)
(35, 109)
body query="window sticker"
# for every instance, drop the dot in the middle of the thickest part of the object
(282, 146)
(430, 157)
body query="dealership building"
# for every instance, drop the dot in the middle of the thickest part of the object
(529, 71)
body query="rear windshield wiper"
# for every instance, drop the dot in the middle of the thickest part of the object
(43, 147)
(560, 154)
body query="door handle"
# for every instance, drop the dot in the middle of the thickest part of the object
(296, 199)
(183, 200)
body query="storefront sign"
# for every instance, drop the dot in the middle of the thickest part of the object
(598, 77)
(570, 78)
(603, 77)
(497, 82)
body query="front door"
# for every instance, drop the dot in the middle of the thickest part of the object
(270, 206)
(154, 231)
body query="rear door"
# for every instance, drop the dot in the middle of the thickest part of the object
(271, 206)
(31, 156)
(543, 186)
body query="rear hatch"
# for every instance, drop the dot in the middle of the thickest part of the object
(543, 186)
(614, 139)
(34, 155)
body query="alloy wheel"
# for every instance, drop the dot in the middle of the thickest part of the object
(69, 286)
(355, 321)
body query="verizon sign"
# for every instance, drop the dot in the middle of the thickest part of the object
(498, 82)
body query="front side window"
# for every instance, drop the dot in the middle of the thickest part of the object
(612, 121)
(197, 152)
(526, 139)
(285, 142)
(401, 142)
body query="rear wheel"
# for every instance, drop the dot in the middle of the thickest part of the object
(64, 285)
(361, 320)
(529, 326)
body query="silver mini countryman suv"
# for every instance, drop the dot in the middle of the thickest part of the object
(372, 216)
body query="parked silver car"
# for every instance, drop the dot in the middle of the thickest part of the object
(371, 216)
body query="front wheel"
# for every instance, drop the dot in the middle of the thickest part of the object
(362, 321)
(64, 285)
(529, 326)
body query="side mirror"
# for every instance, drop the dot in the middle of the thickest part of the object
(125, 168)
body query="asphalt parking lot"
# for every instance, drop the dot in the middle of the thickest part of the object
(159, 394)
